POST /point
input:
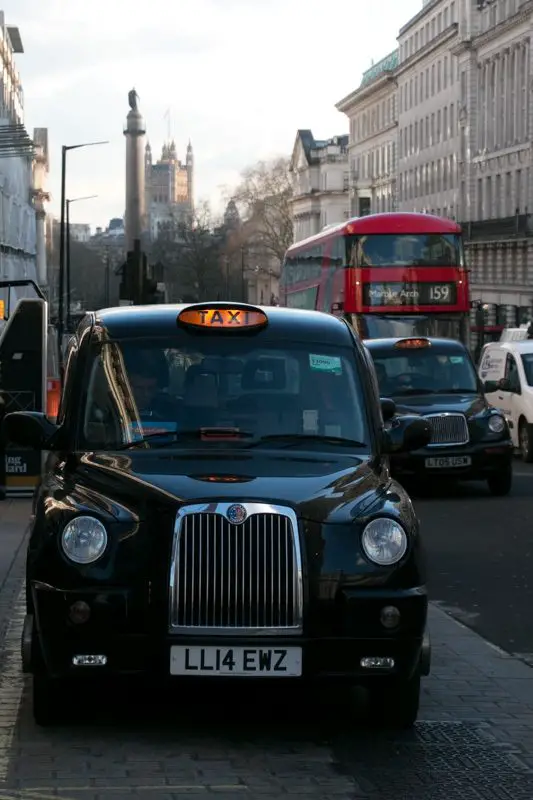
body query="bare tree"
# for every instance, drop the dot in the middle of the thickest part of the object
(188, 252)
(264, 200)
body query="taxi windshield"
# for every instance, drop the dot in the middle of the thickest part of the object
(253, 387)
(424, 371)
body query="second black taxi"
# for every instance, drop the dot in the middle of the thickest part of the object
(217, 505)
(436, 378)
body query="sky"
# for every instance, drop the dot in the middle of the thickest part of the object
(238, 78)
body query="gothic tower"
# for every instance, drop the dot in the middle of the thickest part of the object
(148, 179)
(190, 174)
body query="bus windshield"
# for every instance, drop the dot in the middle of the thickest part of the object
(405, 250)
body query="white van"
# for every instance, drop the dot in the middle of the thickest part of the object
(506, 369)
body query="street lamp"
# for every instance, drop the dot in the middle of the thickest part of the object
(68, 275)
(60, 324)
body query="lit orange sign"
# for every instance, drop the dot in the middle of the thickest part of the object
(223, 318)
(2, 309)
(413, 343)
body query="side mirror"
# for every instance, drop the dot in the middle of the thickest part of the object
(504, 385)
(388, 408)
(490, 386)
(28, 429)
(407, 433)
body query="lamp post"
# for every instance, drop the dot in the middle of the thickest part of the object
(61, 321)
(68, 274)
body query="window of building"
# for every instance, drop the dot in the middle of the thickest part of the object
(427, 83)
(445, 123)
(439, 129)
(452, 12)
(433, 79)
(445, 72)
(452, 121)
(445, 18)
(433, 140)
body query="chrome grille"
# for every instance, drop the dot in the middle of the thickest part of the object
(448, 429)
(236, 579)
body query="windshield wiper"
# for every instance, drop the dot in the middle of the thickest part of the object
(456, 391)
(405, 392)
(195, 434)
(292, 439)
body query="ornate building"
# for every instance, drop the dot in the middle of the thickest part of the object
(320, 179)
(373, 115)
(169, 187)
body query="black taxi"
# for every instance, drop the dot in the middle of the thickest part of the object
(217, 503)
(436, 379)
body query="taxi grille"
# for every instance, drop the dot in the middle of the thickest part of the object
(448, 429)
(235, 579)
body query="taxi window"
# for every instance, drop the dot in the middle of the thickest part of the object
(424, 370)
(276, 388)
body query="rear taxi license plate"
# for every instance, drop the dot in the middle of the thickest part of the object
(279, 662)
(444, 462)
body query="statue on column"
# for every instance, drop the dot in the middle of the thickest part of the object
(133, 97)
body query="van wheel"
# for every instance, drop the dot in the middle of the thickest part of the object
(526, 441)
(394, 702)
(500, 483)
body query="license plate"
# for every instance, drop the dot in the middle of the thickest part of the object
(279, 662)
(443, 462)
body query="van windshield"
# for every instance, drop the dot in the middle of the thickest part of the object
(138, 389)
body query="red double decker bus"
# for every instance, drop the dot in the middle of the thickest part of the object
(390, 274)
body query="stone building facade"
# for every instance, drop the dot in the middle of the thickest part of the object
(320, 182)
(372, 111)
(462, 87)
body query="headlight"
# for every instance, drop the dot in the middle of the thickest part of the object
(384, 541)
(84, 540)
(496, 423)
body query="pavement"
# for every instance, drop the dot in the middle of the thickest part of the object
(473, 741)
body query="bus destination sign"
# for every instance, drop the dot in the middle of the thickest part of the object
(409, 294)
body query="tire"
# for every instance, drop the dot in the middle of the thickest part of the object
(500, 484)
(48, 700)
(525, 441)
(394, 702)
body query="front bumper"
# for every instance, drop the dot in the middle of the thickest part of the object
(486, 459)
(327, 651)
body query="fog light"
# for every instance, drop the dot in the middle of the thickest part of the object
(377, 662)
(390, 617)
(89, 661)
(79, 612)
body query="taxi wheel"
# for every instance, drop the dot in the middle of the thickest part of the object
(49, 700)
(394, 702)
(526, 441)
(500, 484)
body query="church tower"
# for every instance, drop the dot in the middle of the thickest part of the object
(190, 175)
(147, 180)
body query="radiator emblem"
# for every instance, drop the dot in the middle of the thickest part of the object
(236, 514)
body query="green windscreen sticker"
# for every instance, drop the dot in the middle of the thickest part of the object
(457, 359)
(325, 363)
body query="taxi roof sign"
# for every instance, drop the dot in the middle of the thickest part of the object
(222, 317)
(413, 343)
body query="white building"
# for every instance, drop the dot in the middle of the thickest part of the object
(429, 113)
(23, 170)
(372, 111)
(80, 232)
(320, 175)
(494, 57)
